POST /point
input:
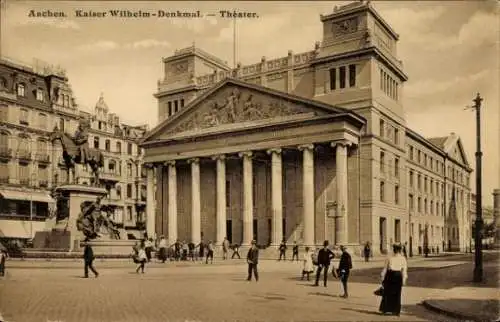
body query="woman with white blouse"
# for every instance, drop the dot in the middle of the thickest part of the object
(394, 276)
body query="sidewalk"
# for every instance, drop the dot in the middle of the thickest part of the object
(471, 302)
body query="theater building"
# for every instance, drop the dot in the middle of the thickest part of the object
(306, 147)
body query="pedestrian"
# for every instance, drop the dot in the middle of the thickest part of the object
(141, 257)
(325, 256)
(210, 252)
(404, 250)
(177, 250)
(367, 251)
(225, 248)
(253, 261)
(236, 251)
(282, 250)
(295, 251)
(191, 247)
(88, 258)
(3, 259)
(148, 247)
(185, 251)
(163, 249)
(394, 276)
(201, 250)
(308, 266)
(345, 266)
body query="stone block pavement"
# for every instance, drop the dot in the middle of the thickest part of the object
(194, 292)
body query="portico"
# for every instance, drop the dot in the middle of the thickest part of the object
(249, 162)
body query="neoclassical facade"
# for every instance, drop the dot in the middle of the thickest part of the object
(254, 163)
(399, 186)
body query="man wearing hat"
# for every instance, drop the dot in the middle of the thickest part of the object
(253, 261)
(345, 266)
(325, 256)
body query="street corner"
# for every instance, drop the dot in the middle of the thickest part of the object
(466, 309)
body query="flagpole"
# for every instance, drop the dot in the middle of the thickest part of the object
(234, 42)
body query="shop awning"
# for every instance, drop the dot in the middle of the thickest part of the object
(26, 195)
(15, 229)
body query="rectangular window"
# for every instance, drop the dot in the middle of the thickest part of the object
(61, 124)
(107, 145)
(129, 213)
(382, 191)
(21, 90)
(396, 167)
(411, 202)
(411, 153)
(419, 182)
(396, 194)
(176, 106)
(24, 116)
(425, 184)
(96, 142)
(129, 191)
(419, 204)
(425, 206)
(129, 169)
(411, 178)
(342, 76)
(397, 230)
(382, 128)
(39, 95)
(352, 75)
(129, 148)
(333, 79)
(382, 162)
(396, 136)
(432, 207)
(42, 120)
(169, 108)
(228, 193)
(182, 102)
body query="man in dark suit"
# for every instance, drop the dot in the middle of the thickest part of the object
(345, 266)
(325, 256)
(88, 258)
(253, 261)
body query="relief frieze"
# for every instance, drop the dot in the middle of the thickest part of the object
(234, 105)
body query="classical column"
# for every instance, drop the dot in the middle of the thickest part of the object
(221, 197)
(172, 202)
(150, 202)
(341, 231)
(277, 196)
(247, 197)
(308, 193)
(195, 201)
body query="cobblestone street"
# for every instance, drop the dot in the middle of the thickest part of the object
(197, 293)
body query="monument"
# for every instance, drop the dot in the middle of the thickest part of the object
(79, 213)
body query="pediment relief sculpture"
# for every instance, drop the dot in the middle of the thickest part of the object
(235, 106)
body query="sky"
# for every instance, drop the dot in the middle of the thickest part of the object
(450, 51)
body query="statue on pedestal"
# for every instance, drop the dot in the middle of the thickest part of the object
(93, 223)
(76, 151)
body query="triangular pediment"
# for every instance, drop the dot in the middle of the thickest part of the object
(232, 104)
(456, 151)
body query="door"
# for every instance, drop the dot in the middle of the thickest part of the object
(229, 230)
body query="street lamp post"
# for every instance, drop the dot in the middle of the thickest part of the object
(478, 255)
(411, 234)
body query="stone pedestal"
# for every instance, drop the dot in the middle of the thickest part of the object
(65, 235)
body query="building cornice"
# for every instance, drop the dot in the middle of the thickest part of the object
(176, 91)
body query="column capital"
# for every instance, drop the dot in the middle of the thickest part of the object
(274, 150)
(306, 147)
(342, 143)
(194, 160)
(219, 157)
(247, 154)
(170, 163)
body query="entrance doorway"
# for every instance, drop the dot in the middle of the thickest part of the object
(229, 230)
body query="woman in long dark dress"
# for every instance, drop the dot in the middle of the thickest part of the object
(394, 276)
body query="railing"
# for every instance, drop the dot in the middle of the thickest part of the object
(42, 157)
(110, 175)
(24, 155)
(5, 152)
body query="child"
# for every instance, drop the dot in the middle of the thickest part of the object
(308, 264)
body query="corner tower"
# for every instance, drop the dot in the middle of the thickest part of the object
(357, 65)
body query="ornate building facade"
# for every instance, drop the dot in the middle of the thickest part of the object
(306, 147)
(34, 101)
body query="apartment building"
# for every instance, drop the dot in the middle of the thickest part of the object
(401, 184)
(34, 100)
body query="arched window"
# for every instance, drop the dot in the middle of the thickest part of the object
(21, 89)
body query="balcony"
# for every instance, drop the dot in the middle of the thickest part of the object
(110, 176)
(42, 157)
(5, 153)
(24, 155)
